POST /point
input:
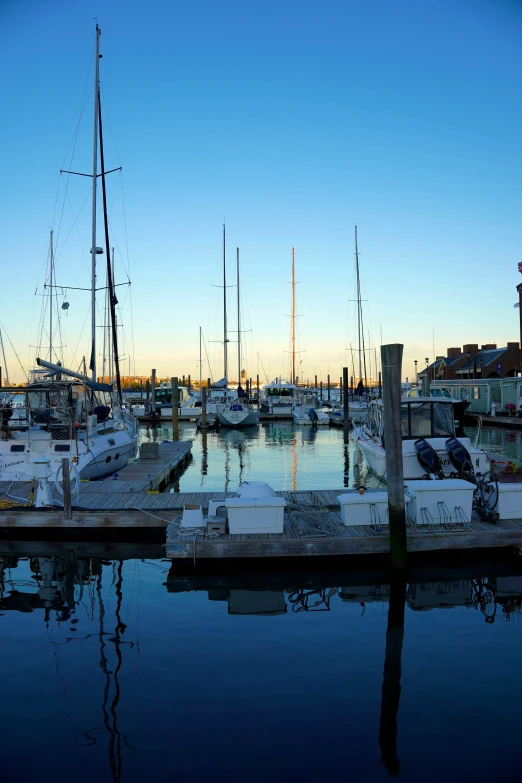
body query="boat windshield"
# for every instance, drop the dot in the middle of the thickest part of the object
(427, 420)
(278, 392)
(440, 393)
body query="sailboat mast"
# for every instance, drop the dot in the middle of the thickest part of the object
(238, 322)
(200, 362)
(51, 297)
(94, 187)
(5, 362)
(293, 318)
(358, 302)
(225, 338)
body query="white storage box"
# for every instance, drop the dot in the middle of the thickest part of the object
(440, 502)
(370, 508)
(255, 515)
(509, 501)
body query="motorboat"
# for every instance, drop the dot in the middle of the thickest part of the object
(424, 418)
(305, 415)
(280, 397)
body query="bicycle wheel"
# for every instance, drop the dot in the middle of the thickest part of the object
(489, 490)
(467, 473)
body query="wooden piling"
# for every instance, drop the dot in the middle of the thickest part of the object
(345, 395)
(175, 415)
(380, 385)
(315, 387)
(328, 388)
(257, 379)
(321, 390)
(153, 393)
(204, 407)
(189, 385)
(66, 481)
(391, 361)
(147, 389)
(183, 382)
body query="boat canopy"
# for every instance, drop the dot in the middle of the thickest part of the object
(427, 418)
(421, 417)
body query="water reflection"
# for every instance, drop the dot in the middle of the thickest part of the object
(94, 613)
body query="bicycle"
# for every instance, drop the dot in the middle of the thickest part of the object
(485, 495)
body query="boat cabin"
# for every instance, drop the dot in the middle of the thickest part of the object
(421, 417)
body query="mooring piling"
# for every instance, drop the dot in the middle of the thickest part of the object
(175, 415)
(345, 395)
(66, 482)
(153, 393)
(204, 407)
(391, 360)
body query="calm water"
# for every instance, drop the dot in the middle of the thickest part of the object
(112, 671)
(286, 456)
(289, 457)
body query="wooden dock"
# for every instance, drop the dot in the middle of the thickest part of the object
(122, 511)
(509, 422)
(151, 474)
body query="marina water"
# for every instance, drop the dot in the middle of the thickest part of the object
(118, 670)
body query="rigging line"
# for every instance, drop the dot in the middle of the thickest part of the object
(80, 337)
(59, 252)
(66, 187)
(14, 351)
(208, 360)
(125, 223)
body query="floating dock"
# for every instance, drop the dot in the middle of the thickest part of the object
(152, 474)
(120, 510)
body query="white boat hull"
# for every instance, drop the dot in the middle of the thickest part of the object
(238, 416)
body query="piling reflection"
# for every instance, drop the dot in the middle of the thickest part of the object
(391, 684)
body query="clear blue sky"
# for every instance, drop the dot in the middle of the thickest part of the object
(295, 120)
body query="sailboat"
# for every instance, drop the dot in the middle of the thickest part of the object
(68, 413)
(237, 413)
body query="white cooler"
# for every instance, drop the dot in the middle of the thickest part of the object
(255, 515)
(370, 508)
(509, 501)
(440, 502)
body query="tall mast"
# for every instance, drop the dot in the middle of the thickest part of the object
(238, 322)
(92, 364)
(51, 298)
(5, 362)
(200, 362)
(358, 302)
(225, 338)
(293, 319)
(113, 301)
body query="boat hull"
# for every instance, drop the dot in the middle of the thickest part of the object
(375, 457)
(244, 417)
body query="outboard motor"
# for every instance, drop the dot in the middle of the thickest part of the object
(428, 458)
(459, 456)
(312, 414)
